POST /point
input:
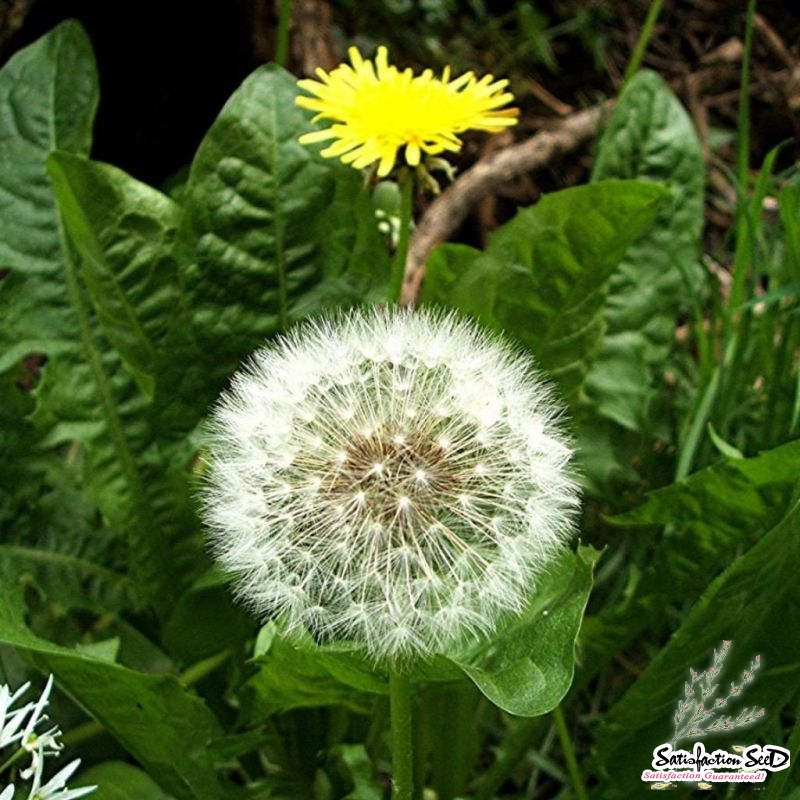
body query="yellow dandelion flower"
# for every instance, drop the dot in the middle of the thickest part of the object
(376, 110)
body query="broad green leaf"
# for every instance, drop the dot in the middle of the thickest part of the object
(205, 621)
(274, 231)
(116, 780)
(136, 475)
(124, 231)
(542, 279)
(157, 721)
(132, 471)
(291, 675)
(753, 604)
(17, 438)
(48, 97)
(734, 497)
(49, 530)
(65, 557)
(527, 668)
(649, 137)
(709, 516)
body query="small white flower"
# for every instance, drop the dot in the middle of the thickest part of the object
(390, 477)
(41, 744)
(7, 793)
(11, 722)
(55, 788)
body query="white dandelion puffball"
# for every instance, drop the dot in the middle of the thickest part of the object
(388, 477)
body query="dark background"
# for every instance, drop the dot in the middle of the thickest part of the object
(166, 68)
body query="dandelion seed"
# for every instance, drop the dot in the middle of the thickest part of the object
(376, 110)
(421, 532)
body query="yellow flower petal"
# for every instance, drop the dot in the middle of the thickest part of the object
(376, 110)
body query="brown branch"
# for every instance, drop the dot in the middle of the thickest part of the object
(449, 210)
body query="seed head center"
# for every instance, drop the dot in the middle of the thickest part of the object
(397, 474)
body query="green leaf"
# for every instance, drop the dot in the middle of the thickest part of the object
(753, 603)
(17, 438)
(710, 516)
(300, 675)
(205, 621)
(136, 476)
(49, 529)
(134, 461)
(732, 498)
(54, 553)
(274, 231)
(527, 668)
(360, 772)
(542, 279)
(48, 97)
(649, 137)
(116, 780)
(158, 722)
(124, 231)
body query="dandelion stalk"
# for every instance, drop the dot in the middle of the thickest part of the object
(401, 705)
(645, 36)
(282, 35)
(405, 180)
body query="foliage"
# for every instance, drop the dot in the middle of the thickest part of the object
(124, 311)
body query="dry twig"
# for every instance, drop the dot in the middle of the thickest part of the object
(450, 209)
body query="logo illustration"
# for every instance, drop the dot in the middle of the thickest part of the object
(706, 709)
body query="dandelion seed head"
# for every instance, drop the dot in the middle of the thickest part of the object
(404, 495)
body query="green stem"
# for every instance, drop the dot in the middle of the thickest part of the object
(451, 727)
(697, 427)
(81, 734)
(569, 754)
(742, 254)
(17, 755)
(196, 672)
(405, 180)
(400, 700)
(644, 39)
(282, 36)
